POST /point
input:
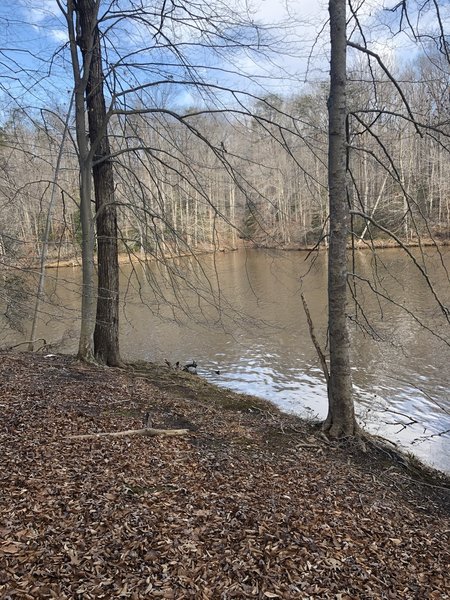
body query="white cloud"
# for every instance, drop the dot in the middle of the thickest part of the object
(59, 35)
(40, 11)
(46, 18)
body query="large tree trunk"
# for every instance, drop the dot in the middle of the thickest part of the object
(341, 417)
(106, 334)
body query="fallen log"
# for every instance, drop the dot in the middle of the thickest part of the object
(149, 432)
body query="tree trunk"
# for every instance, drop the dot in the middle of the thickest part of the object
(48, 222)
(340, 421)
(106, 334)
(85, 347)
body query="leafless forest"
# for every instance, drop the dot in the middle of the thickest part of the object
(255, 172)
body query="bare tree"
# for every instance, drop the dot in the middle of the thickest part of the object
(81, 71)
(106, 334)
(217, 28)
(224, 163)
(341, 418)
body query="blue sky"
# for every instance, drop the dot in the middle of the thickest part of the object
(35, 70)
(27, 76)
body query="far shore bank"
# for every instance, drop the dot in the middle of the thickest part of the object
(136, 258)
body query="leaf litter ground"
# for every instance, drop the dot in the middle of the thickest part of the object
(250, 504)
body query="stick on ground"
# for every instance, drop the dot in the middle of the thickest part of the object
(150, 432)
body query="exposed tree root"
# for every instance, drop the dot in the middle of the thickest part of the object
(341, 429)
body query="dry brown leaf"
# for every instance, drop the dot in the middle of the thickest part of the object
(10, 548)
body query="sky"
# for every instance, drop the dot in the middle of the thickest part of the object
(34, 66)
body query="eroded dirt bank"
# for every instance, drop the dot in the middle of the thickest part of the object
(251, 503)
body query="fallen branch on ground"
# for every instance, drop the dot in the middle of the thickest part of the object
(26, 342)
(150, 432)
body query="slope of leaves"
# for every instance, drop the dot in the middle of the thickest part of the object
(248, 505)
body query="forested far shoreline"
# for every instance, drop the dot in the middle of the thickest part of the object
(256, 177)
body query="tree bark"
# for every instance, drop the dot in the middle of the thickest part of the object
(340, 421)
(106, 333)
(85, 347)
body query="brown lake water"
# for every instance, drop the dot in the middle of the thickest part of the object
(241, 314)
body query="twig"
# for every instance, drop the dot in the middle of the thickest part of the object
(314, 340)
(27, 342)
(301, 445)
(420, 482)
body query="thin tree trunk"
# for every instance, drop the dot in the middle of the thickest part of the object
(44, 250)
(341, 418)
(86, 342)
(106, 334)
(375, 206)
(85, 347)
